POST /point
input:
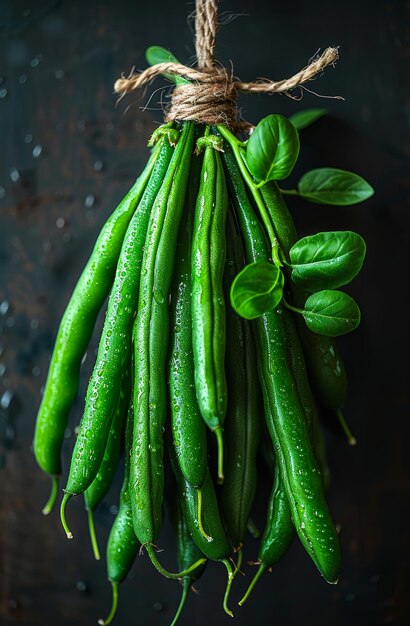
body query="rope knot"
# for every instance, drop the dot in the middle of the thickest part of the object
(211, 99)
(210, 96)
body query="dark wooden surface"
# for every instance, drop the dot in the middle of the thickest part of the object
(67, 156)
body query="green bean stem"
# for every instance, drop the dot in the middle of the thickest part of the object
(231, 576)
(351, 439)
(64, 524)
(186, 586)
(93, 535)
(187, 551)
(151, 553)
(48, 507)
(122, 545)
(114, 606)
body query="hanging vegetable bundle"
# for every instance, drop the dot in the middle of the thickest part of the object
(219, 320)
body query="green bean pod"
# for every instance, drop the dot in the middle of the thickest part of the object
(279, 531)
(208, 307)
(307, 399)
(325, 366)
(76, 328)
(188, 427)
(278, 534)
(243, 420)
(98, 489)
(123, 545)
(150, 337)
(113, 353)
(218, 549)
(285, 416)
(187, 553)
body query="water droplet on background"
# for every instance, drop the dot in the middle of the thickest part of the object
(98, 165)
(89, 200)
(36, 61)
(14, 175)
(6, 399)
(37, 151)
(4, 307)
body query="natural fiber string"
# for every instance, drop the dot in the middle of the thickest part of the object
(211, 95)
(206, 26)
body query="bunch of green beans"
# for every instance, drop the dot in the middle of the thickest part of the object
(179, 359)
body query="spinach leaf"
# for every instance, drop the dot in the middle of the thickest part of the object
(331, 313)
(256, 289)
(328, 185)
(303, 119)
(272, 149)
(158, 54)
(327, 260)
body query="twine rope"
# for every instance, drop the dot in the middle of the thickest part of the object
(211, 95)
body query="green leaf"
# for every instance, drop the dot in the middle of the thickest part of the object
(331, 313)
(256, 289)
(158, 54)
(328, 185)
(327, 260)
(303, 119)
(272, 149)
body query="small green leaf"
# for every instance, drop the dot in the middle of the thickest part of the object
(272, 149)
(327, 260)
(328, 185)
(303, 119)
(158, 54)
(331, 313)
(256, 289)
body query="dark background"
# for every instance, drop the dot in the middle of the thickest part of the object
(67, 156)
